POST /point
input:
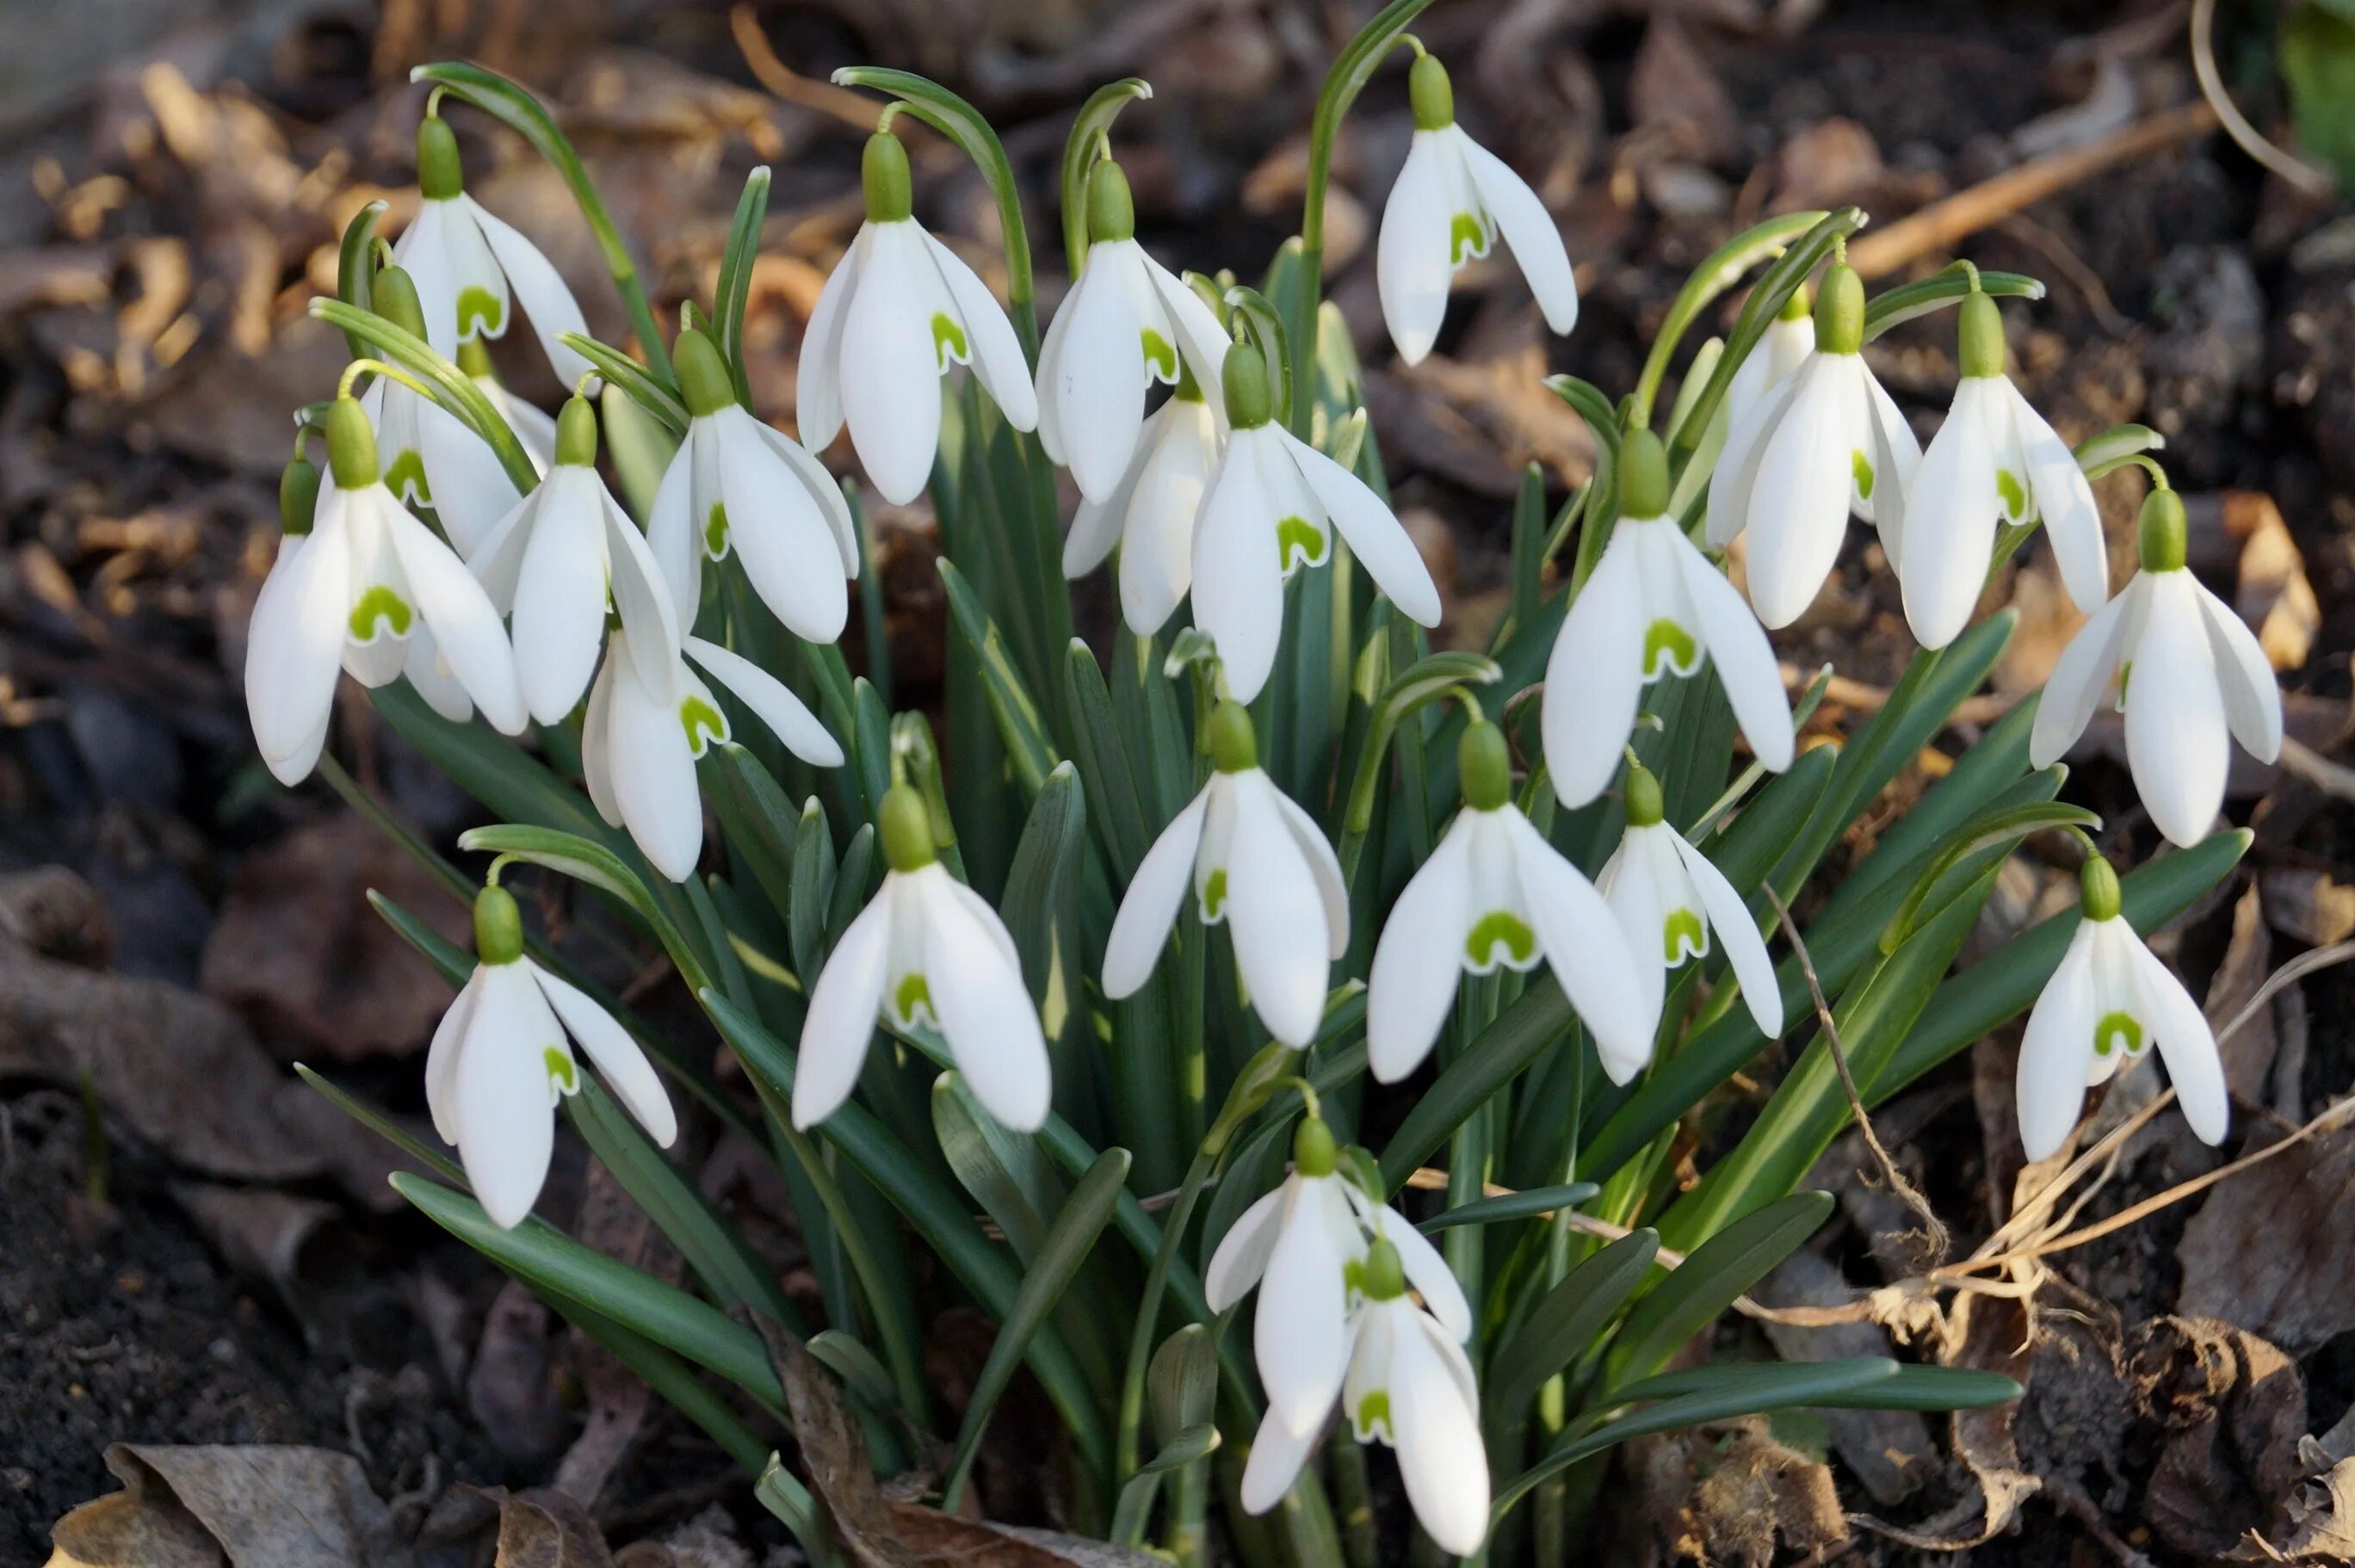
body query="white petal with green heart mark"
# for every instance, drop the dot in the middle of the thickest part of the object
(1452, 202)
(1150, 515)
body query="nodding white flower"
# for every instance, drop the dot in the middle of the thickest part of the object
(1150, 515)
(927, 953)
(649, 718)
(501, 1060)
(899, 309)
(1789, 339)
(1824, 441)
(472, 270)
(1669, 899)
(1655, 606)
(1994, 459)
(557, 559)
(1452, 200)
(1299, 1244)
(1407, 1383)
(1494, 892)
(2186, 670)
(430, 458)
(2111, 1000)
(356, 593)
(1266, 513)
(1255, 860)
(736, 485)
(532, 426)
(1126, 323)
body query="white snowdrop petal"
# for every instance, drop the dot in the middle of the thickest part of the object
(777, 530)
(500, 1095)
(1323, 866)
(1733, 485)
(1428, 1271)
(497, 560)
(1200, 339)
(532, 426)
(1238, 575)
(1952, 537)
(2056, 1048)
(1141, 928)
(1528, 229)
(2185, 1042)
(997, 357)
(889, 366)
(1101, 376)
(1441, 1457)
(1374, 535)
(422, 252)
(641, 598)
(467, 627)
(295, 642)
(1589, 954)
(1156, 561)
(1301, 1350)
(2177, 746)
(480, 301)
(842, 1010)
(1242, 1252)
(817, 381)
(2064, 499)
(1277, 916)
(424, 668)
(1412, 263)
(1595, 679)
(471, 488)
(1412, 987)
(2245, 677)
(1277, 1454)
(673, 534)
(596, 771)
(1745, 663)
(771, 701)
(542, 292)
(986, 1012)
(618, 1060)
(1803, 490)
(442, 1057)
(652, 766)
(2080, 677)
(824, 490)
(559, 597)
(1896, 463)
(1737, 933)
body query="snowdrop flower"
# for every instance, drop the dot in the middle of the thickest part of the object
(2186, 670)
(650, 716)
(1150, 515)
(1265, 513)
(556, 561)
(532, 427)
(2110, 1000)
(1669, 899)
(1994, 459)
(1789, 339)
(927, 953)
(1299, 1244)
(1826, 441)
(1252, 858)
(1126, 323)
(899, 309)
(430, 458)
(501, 1060)
(471, 269)
(1655, 606)
(1452, 200)
(1408, 1385)
(359, 591)
(1494, 892)
(737, 484)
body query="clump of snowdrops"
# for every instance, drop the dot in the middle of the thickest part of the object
(1140, 994)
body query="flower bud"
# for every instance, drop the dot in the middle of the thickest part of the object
(1485, 766)
(1112, 215)
(1643, 475)
(907, 828)
(2099, 885)
(1430, 94)
(704, 383)
(351, 445)
(498, 927)
(2164, 539)
(439, 176)
(1234, 745)
(1243, 382)
(1839, 311)
(393, 296)
(883, 172)
(298, 496)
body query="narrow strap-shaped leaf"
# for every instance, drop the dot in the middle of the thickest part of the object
(815, 873)
(1913, 1387)
(735, 281)
(385, 1128)
(1719, 270)
(762, 823)
(1042, 891)
(1705, 1285)
(1566, 1323)
(1523, 1205)
(627, 376)
(450, 387)
(355, 267)
(1020, 720)
(1096, 747)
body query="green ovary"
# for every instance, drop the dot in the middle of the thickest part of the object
(702, 722)
(1160, 355)
(2014, 494)
(1467, 238)
(406, 475)
(1860, 467)
(381, 608)
(1681, 935)
(1214, 894)
(481, 310)
(560, 1071)
(2120, 1027)
(1297, 542)
(912, 993)
(715, 531)
(1667, 646)
(1501, 928)
(948, 340)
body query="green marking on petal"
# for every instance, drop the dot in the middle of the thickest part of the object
(2014, 494)
(703, 723)
(1214, 894)
(948, 340)
(715, 531)
(560, 1071)
(1667, 646)
(1160, 355)
(913, 992)
(1861, 466)
(479, 310)
(1681, 936)
(405, 474)
(1298, 541)
(1501, 928)
(2121, 1027)
(1374, 1410)
(2125, 670)
(1467, 238)
(380, 606)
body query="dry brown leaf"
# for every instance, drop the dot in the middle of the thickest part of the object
(2321, 1520)
(251, 1507)
(1889, 1450)
(2273, 595)
(2312, 906)
(2234, 1408)
(533, 1529)
(2266, 1251)
(936, 1540)
(1672, 87)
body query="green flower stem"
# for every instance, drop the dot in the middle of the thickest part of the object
(1353, 1504)
(450, 387)
(1080, 150)
(1148, 1309)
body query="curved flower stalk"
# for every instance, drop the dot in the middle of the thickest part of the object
(1270, 507)
(558, 558)
(502, 1057)
(1825, 442)
(1452, 199)
(2186, 671)
(1654, 607)
(927, 953)
(471, 269)
(361, 591)
(1670, 899)
(2111, 1000)
(1252, 858)
(899, 310)
(430, 458)
(1150, 513)
(649, 718)
(532, 425)
(1127, 323)
(1995, 459)
(1494, 892)
(736, 485)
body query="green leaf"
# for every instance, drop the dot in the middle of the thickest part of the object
(2115, 447)
(626, 376)
(385, 1128)
(867, 1378)
(1935, 292)
(1065, 1247)
(1043, 892)
(761, 822)
(1705, 1285)
(486, 765)
(454, 963)
(815, 873)
(735, 282)
(1566, 1323)
(1719, 270)
(2004, 825)
(1104, 762)
(1005, 1173)
(1523, 1205)
(450, 388)
(1913, 1387)
(2317, 63)
(355, 267)
(1020, 720)
(1425, 681)
(1542, 1017)
(1091, 124)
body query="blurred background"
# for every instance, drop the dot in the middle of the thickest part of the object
(194, 1249)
